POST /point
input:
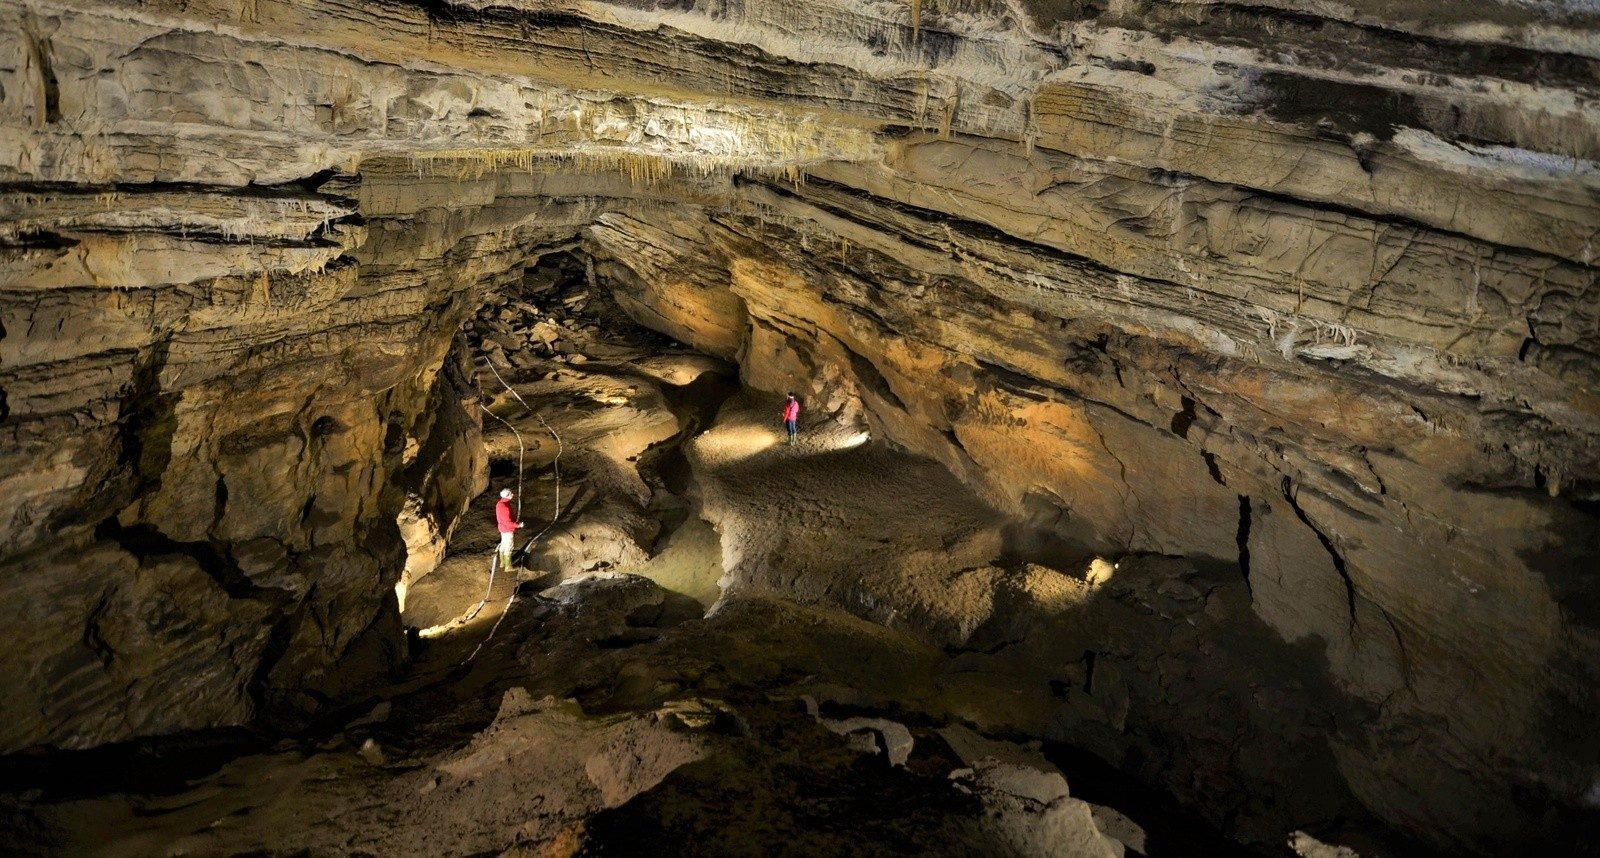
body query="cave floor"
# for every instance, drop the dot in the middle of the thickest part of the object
(712, 650)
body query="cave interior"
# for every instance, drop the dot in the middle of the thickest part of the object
(1198, 448)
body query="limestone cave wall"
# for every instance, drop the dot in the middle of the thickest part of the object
(1302, 291)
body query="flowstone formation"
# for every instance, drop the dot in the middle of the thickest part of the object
(1299, 296)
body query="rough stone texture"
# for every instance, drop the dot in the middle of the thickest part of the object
(1304, 292)
(1378, 518)
(638, 734)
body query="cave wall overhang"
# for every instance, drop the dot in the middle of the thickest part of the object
(1305, 290)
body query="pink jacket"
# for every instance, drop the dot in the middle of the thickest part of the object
(791, 410)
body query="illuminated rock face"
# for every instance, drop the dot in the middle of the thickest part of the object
(1371, 522)
(1303, 289)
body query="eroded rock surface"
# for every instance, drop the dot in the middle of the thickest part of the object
(1301, 292)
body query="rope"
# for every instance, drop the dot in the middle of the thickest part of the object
(519, 454)
(494, 565)
(560, 448)
(556, 514)
(494, 628)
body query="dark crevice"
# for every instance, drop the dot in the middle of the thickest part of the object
(696, 406)
(1289, 492)
(148, 766)
(1352, 489)
(445, 12)
(148, 418)
(1528, 342)
(1352, 108)
(5, 410)
(40, 50)
(630, 638)
(146, 541)
(1315, 38)
(1211, 467)
(278, 641)
(867, 373)
(1400, 644)
(994, 648)
(38, 239)
(52, 90)
(1018, 383)
(1143, 67)
(1041, 391)
(954, 440)
(92, 638)
(1242, 539)
(1183, 419)
(311, 184)
(302, 190)
(299, 189)
(198, 235)
(220, 507)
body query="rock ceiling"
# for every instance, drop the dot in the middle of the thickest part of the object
(1304, 287)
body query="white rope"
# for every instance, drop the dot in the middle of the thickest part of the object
(556, 464)
(494, 565)
(560, 448)
(519, 454)
(494, 628)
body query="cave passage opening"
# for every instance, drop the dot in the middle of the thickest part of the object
(681, 476)
(551, 355)
(845, 570)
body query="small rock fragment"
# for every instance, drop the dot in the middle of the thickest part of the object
(378, 715)
(371, 753)
(1118, 827)
(894, 738)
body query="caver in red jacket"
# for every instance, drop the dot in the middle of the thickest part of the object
(791, 410)
(502, 516)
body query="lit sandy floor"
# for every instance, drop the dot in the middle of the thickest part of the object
(841, 519)
(690, 563)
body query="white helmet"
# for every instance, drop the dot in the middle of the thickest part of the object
(505, 493)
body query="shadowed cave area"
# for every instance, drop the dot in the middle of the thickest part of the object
(1198, 448)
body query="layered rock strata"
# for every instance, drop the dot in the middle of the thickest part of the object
(1297, 289)
(1370, 520)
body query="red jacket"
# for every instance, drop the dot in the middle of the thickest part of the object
(502, 516)
(791, 410)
